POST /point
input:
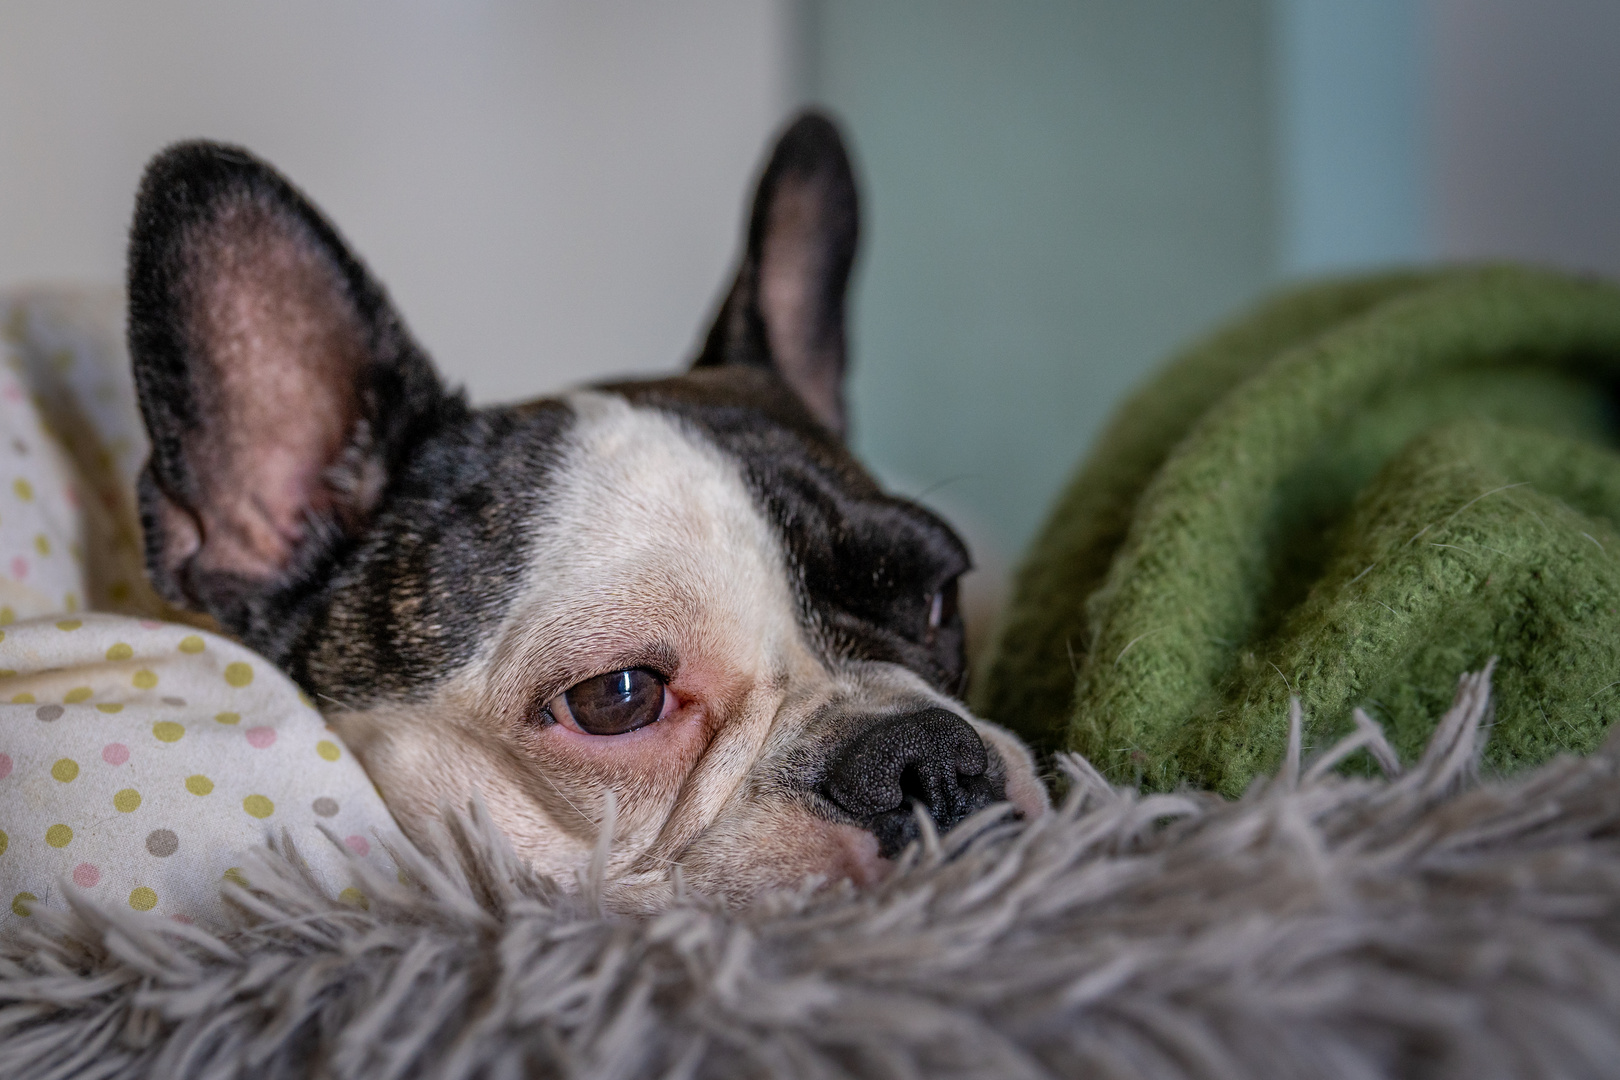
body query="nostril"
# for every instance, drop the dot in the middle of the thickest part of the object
(915, 788)
(932, 758)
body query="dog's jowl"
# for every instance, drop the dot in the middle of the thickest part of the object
(684, 592)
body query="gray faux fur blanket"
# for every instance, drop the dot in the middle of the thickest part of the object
(1427, 924)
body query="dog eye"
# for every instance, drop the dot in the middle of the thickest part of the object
(942, 607)
(615, 703)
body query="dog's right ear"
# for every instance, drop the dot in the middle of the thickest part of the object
(785, 311)
(278, 386)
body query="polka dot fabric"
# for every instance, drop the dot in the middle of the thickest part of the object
(140, 760)
(71, 446)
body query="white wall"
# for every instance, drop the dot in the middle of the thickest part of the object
(1527, 133)
(552, 191)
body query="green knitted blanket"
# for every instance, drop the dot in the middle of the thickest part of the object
(1349, 496)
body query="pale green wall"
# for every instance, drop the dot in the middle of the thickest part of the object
(1056, 195)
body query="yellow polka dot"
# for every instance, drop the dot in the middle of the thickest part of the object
(127, 801)
(352, 895)
(7, 616)
(3, 637)
(258, 806)
(235, 876)
(24, 490)
(303, 697)
(70, 602)
(5, 841)
(58, 836)
(69, 624)
(328, 750)
(168, 731)
(7, 673)
(77, 694)
(65, 769)
(109, 707)
(228, 717)
(42, 544)
(120, 651)
(238, 674)
(20, 902)
(23, 698)
(142, 898)
(199, 784)
(144, 679)
(191, 643)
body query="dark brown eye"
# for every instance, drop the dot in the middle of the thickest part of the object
(615, 703)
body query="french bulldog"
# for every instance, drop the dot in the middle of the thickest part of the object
(684, 592)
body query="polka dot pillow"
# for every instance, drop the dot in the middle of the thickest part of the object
(140, 760)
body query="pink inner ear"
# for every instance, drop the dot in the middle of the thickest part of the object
(280, 353)
(792, 268)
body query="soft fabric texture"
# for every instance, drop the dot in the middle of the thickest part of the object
(71, 445)
(141, 763)
(1348, 495)
(1323, 926)
(140, 760)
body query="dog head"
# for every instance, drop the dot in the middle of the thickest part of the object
(684, 593)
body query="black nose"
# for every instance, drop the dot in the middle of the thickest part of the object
(930, 757)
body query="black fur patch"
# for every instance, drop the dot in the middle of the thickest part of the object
(441, 563)
(866, 564)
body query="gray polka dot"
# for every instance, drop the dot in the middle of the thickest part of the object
(162, 843)
(48, 713)
(325, 807)
(175, 701)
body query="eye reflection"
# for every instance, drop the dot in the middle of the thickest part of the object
(941, 609)
(615, 703)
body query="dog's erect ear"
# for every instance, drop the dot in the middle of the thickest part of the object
(786, 309)
(278, 386)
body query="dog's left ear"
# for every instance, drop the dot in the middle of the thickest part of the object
(786, 309)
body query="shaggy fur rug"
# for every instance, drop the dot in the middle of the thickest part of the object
(1426, 924)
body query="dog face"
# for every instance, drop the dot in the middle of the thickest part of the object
(681, 597)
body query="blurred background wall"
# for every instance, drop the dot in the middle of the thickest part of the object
(549, 189)
(1058, 193)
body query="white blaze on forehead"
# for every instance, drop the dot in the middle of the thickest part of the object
(648, 538)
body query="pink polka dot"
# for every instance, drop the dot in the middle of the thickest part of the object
(72, 494)
(183, 920)
(261, 737)
(19, 567)
(86, 876)
(5, 766)
(358, 844)
(150, 624)
(115, 753)
(12, 392)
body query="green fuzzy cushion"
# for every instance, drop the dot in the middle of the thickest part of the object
(1351, 495)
